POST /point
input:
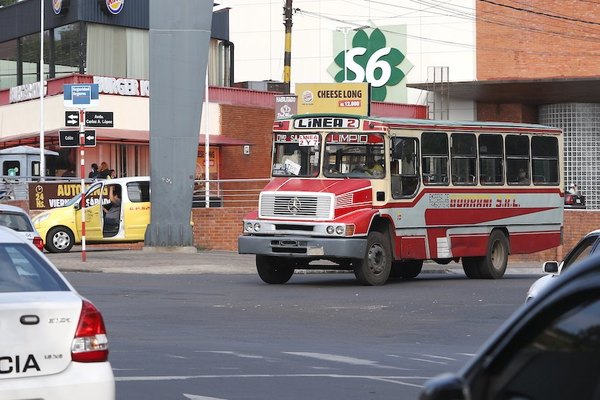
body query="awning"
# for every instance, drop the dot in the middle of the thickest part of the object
(107, 135)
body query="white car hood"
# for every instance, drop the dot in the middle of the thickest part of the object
(540, 285)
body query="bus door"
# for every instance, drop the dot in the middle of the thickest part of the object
(404, 167)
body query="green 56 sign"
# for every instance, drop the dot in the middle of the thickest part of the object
(376, 59)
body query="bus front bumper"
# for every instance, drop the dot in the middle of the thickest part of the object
(302, 246)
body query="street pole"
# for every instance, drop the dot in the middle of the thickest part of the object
(345, 30)
(287, 58)
(82, 173)
(42, 144)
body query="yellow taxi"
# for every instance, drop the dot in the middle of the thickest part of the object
(61, 227)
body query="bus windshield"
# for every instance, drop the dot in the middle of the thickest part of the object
(296, 154)
(356, 155)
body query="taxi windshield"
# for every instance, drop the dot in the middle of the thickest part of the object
(354, 155)
(296, 154)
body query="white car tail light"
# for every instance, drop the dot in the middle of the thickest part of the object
(90, 343)
(38, 242)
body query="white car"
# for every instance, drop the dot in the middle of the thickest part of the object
(18, 220)
(53, 341)
(586, 246)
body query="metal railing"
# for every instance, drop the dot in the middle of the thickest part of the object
(220, 193)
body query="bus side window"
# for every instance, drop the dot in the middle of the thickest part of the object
(517, 160)
(404, 167)
(434, 156)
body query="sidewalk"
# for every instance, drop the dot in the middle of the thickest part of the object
(186, 261)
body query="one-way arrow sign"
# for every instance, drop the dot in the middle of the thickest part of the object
(71, 138)
(71, 118)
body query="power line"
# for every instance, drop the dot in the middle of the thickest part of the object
(556, 16)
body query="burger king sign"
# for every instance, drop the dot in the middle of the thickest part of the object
(111, 6)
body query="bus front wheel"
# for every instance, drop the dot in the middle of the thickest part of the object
(374, 269)
(272, 269)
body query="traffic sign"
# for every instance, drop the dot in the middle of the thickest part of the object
(71, 138)
(71, 118)
(102, 119)
(81, 95)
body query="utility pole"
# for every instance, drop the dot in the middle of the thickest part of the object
(287, 57)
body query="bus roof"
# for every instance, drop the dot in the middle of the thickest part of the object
(439, 124)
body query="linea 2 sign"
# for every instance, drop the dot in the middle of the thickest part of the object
(377, 58)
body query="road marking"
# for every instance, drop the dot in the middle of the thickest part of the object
(428, 361)
(440, 357)
(195, 397)
(233, 353)
(396, 380)
(342, 359)
(174, 356)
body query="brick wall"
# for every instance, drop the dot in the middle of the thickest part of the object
(254, 125)
(513, 43)
(219, 228)
(507, 112)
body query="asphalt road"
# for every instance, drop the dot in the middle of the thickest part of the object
(229, 336)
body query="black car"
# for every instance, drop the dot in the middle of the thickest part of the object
(548, 349)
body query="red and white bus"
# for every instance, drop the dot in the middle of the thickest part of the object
(380, 195)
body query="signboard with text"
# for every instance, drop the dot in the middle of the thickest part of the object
(333, 98)
(71, 138)
(81, 95)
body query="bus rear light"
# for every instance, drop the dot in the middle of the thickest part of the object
(90, 343)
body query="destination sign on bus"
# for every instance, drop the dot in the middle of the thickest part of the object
(302, 140)
(326, 122)
(353, 138)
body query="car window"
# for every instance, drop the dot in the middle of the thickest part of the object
(16, 221)
(580, 252)
(22, 270)
(560, 360)
(138, 192)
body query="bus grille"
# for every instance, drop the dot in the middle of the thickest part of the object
(293, 206)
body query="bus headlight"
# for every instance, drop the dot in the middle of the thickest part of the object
(249, 227)
(339, 230)
(257, 226)
(330, 230)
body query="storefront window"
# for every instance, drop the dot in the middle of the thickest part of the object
(67, 59)
(30, 57)
(8, 64)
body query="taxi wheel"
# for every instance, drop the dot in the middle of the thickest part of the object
(59, 240)
(273, 269)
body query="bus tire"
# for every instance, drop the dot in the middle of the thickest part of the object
(493, 265)
(59, 240)
(271, 270)
(406, 269)
(374, 269)
(471, 267)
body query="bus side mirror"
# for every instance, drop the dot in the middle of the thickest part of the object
(77, 206)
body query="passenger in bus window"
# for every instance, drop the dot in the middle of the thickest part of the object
(523, 178)
(374, 168)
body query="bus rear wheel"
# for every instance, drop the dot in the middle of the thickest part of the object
(272, 269)
(406, 269)
(493, 265)
(374, 269)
